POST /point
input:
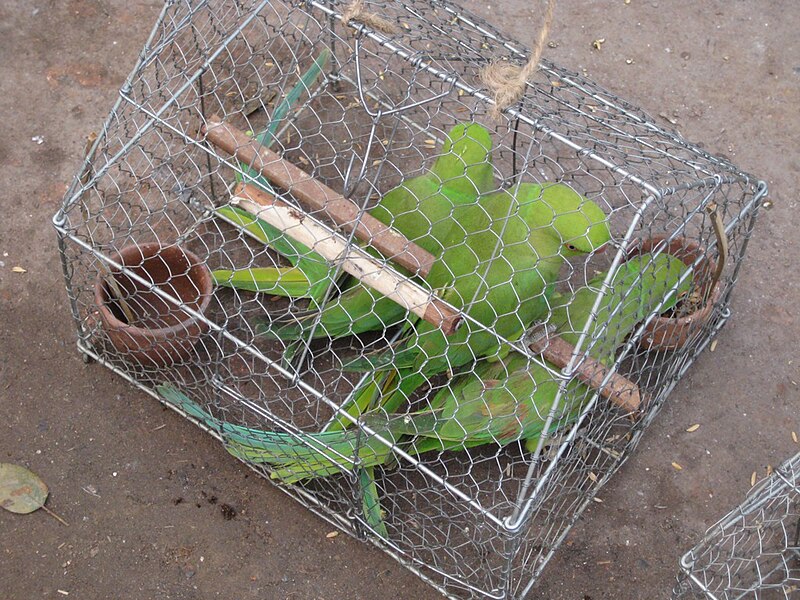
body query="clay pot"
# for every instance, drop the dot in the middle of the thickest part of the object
(671, 333)
(161, 334)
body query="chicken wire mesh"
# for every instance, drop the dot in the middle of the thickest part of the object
(466, 454)
(753, 551)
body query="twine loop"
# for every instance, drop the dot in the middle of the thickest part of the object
(504, 80)
(356, 12)
(507, 81)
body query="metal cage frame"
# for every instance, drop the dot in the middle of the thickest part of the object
(676, 184)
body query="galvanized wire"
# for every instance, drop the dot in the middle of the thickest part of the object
(754, 550)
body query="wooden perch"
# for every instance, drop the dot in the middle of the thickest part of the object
(319, 197)
(618, 389)
(355, 260)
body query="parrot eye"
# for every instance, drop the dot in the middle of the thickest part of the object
(572, 247)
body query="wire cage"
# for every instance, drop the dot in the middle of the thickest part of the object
(310, 234)
(754, 550)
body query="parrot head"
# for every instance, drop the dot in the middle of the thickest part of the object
(466, 137)
(465, 164)
(580, 225)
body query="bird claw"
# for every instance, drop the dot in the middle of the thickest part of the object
(538, 334)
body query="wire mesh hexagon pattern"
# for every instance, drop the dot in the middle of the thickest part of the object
(754, 550)
(440, 329)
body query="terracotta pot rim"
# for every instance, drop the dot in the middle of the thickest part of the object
(148, 250)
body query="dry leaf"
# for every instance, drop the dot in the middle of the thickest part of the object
(693, 428)
(794, 437)
(19, 270)
(21, 491)
(753, 478)
(598, 43)
(713, 345)
(676, 466)
(769, 470)
(331, 534)
(592, 476)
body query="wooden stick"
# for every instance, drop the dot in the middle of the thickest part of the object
(620, 390)
(345, 213)
(355, 260)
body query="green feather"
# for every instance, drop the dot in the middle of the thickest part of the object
(290, 281)
(370, 502)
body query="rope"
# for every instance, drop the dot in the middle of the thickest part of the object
(507, 81)
(355, 12)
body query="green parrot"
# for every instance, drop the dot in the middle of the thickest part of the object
(421, 208)
(500, 264)
(496, 402)
(504, 400)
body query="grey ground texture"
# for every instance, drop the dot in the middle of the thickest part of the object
(157, 509)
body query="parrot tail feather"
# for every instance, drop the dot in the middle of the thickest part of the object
(371, 502)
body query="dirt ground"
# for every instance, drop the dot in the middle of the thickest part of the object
(164, 512)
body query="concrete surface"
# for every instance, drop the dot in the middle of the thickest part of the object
(149, 507)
